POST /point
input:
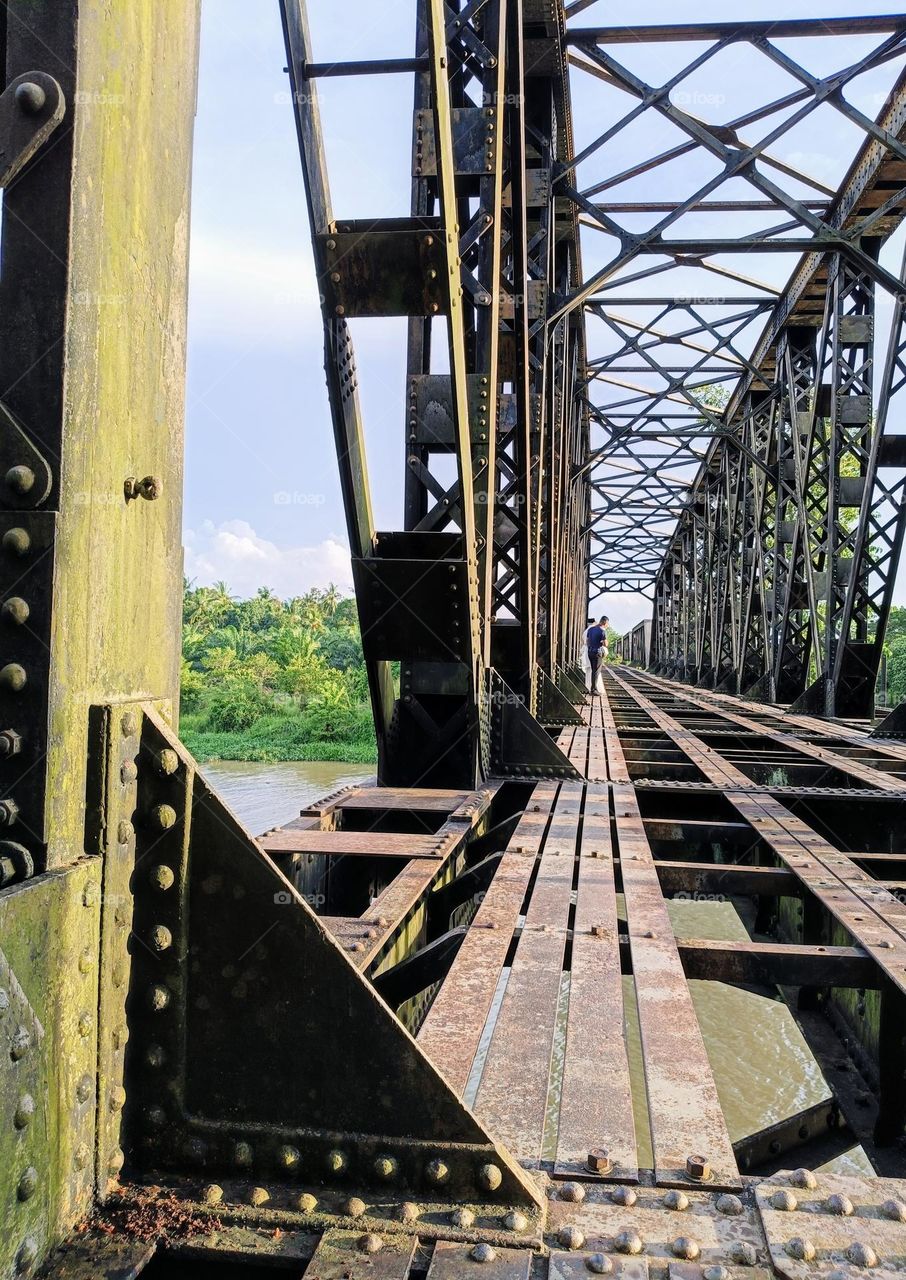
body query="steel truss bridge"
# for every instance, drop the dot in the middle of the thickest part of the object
(392, 1038)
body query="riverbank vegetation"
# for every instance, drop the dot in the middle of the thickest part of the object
(270, 679)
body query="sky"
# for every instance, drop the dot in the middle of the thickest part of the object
(262, 499)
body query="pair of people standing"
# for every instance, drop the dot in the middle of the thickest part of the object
(596, 644)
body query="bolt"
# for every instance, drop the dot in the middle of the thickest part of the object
(17, 542)
(599, 1160)
(9, 812)
(698, 1168)
(10, 742)
(30, 97)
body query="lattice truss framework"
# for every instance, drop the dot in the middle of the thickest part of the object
(746, 466)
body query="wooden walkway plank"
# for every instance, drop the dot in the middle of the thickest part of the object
(452, 1029)
(596, 1097)
(874, 917)
(362, 844)
(412, 799)
(683, 1104)
(524, 1031)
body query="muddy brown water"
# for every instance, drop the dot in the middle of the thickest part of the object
(762, 1066)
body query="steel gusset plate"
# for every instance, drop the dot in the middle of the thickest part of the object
(255, 1046)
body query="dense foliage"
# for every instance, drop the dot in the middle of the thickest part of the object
(896, 655)
(271, 679)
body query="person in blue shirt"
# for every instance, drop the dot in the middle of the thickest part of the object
(596, 643)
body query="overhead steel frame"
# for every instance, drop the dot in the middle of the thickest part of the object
(768, 529)
(481, 601)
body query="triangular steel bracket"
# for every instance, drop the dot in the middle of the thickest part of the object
(520, 746)
(893, 725)
(255, 1047)
(554, 706)
(567, 683)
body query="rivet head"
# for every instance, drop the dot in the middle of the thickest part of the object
(354, 1207)
(571, 1237)
(385, 1168)
(21, 1043)
(161, 877)
(730, 1205)
(160, 938)
(800, 1248)
(838, 1203)
(81, 1156)
(462, 1217)
(163, 816)
(258, 1196)
(128, 772)
(624, 1196)
(17, 542)
(91, 894)
(288, 1157)
(408, 1212)
(698, 1168)
(117, 1099)
(25, 1109)
(155, 1057)
(15, 610)
(28, 1184)
(743, 1253)
(242, 1155)
(627, 1242)
(129, 724)
(85, 1088)
(573, 1192)
(13, 677)
(213, 1193)
(124, 832)
(27, 1255)
(336, 1161)
(482, 1252)
(20, 479)
(599, 1264)
(86, 961)
(437, 1172)
(167, 761)
(307, 1203)
(370, 1243)
(158, 998)
(30, 97)
(861, 1254)
(490, 1177)
(803, 1178)
(717, 1272)
(676, 1200)
(115, 1162)
(515, 1221)
(894, 1209)
(685, 1247)
(784, 1200)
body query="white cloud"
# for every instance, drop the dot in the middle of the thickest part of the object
(234, 553)
(245, 294)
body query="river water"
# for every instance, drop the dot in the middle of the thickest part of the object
(762, 1066)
